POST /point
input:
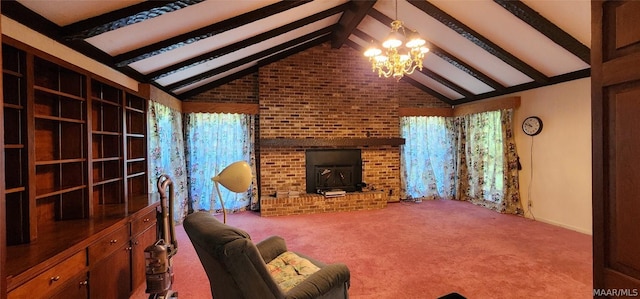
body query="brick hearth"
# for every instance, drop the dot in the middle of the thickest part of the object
(316, 203)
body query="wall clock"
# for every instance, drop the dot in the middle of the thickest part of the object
(532, 125)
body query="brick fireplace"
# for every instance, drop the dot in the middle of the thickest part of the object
(323, 98)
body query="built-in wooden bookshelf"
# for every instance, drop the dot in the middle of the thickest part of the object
(76, 179)
(60, 161)
(136, 151)
(106, 144)
(15, 147)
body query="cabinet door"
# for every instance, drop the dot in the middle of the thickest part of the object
(139, 243)
(111, 276)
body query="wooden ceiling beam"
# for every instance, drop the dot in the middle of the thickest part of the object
(36, 22)
(211, 85)
(123, 17)
(349, 21)
(546, 27)
(479, 40)
(530, 85)
(273, 50)
(205, 32)
(253, 69)
(243, 44)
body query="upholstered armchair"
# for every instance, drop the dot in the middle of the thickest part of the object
(239, 269)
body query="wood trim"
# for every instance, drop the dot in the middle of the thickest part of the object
(206, 107)
(464, 109)
(490, 105)
(446, 112)
(159, 96)
(598, 145)
(3, 218)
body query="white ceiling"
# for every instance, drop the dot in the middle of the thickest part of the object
(171, 44)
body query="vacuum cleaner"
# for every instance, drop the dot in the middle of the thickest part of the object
(159, 255)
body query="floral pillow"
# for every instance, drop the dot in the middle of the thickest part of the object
(289, 269)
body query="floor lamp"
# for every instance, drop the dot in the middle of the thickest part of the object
(235, 177)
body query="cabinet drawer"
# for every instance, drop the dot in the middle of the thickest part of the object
(141, 224)
(53, 279)
(108, 244)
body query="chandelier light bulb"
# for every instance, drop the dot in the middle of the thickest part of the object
(372, 51)
(394, 40)
(415, 41)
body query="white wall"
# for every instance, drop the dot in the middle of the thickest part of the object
(561, 187)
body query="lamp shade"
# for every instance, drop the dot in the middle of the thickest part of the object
(235, 177)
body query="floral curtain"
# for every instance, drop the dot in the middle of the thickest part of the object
(473, 158)
(428, 157)
(487, 161)
(166, 154)
(213, 141)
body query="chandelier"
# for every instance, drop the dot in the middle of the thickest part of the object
(399, 58)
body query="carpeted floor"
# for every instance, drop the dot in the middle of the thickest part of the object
(424, 250)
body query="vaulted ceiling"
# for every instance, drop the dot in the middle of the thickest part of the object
(478, 48)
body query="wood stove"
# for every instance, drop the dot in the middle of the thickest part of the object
(333, 169)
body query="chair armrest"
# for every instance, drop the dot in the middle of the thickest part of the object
(319, 283)
(271, 248)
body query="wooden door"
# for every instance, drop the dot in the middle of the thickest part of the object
(139, 243)
(615, 56)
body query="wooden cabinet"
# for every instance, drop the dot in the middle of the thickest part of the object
(57, 279)
(110, 271)
(144, 233)
(76, 180)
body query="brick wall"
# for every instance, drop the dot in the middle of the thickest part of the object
(324, 93)
(331, 93)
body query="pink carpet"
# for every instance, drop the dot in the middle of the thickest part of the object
(423, 250)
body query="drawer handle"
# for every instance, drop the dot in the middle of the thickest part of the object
(128, 248)
(146, 220)
(55, 278)
(84, 283)
(114, 241)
